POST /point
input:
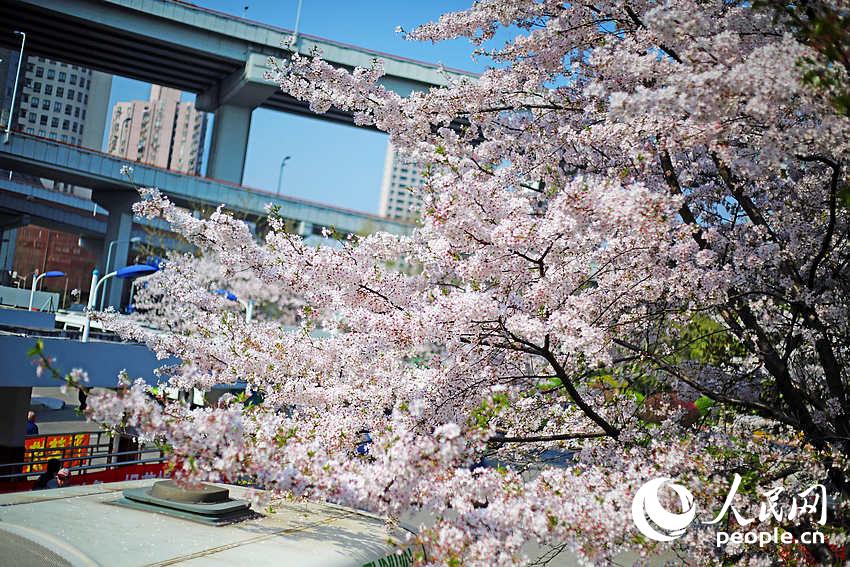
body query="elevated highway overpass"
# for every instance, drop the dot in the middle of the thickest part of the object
(101, 172)
(115, 193)
(221, 58)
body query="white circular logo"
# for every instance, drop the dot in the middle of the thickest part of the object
(646, 506)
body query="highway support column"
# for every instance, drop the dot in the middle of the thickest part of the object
(119, 228)
(8, 241)
(229, 144)
(14, 405)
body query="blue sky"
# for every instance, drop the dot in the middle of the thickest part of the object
(336, 164)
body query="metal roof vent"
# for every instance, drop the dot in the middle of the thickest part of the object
(207, 504)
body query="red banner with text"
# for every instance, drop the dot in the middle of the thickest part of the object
(55, 447)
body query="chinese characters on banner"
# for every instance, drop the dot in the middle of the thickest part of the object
(55, 447)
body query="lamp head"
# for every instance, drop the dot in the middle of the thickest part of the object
(135, 271)
(229, 295)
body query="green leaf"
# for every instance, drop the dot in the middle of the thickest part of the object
(37, 349)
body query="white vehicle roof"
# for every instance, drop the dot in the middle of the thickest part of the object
(83, 526)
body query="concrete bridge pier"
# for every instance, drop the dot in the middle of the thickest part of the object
(9, 223)
(15, 402)
(119, 227)
(304, 229)
(229, 143)
(233, 99)
(8, 240)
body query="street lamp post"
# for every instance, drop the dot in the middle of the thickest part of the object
(280, 175)
(15, 91)
(108, 265)
(248, 305)
(127, 272)
(35, 280)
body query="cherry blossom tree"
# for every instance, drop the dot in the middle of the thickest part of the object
(188, 283)
(633, 263)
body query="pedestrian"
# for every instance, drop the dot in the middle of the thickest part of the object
(47, 479)
(32, 428)
(62, 478)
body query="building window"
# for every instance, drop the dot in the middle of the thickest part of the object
(42, 133)
(48, 89)
(62, 76)
(31, 118)
(39, 72)
(73, 79)
(54, 122)
(30, 66)
(80, 96)
(81, 130)
(60, 91)
(68, 109)
(70, 94)
(77, 112)
(53, 135)
(28, 83)
(86, 99)
(36, 87)
(84, 114)
(25, 97)
(82, 82)
(30, 131)
(45, 105)
(64, 137)
(43, 120)
(74, 127)
(66, 124)
(51, 74)
(57, 106)
(34, 102)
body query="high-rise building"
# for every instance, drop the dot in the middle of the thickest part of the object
(56, 100)
(160, 131)
(398, 201)
(66, 103)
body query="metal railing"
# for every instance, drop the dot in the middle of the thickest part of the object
(80, 469)
(100, 452)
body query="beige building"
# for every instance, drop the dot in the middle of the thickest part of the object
(401, 175)
(161, 131)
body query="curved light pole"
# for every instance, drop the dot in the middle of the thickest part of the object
(248, 305)
(15, 91)
(280, 175)
(108, 265)
(127, 272)
(35, 280)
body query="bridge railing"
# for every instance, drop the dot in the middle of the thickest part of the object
(91, 462)
(262, 192)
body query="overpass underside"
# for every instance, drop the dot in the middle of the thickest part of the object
(220, 58)
(114, 193)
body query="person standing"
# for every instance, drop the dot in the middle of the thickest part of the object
(32, 428)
